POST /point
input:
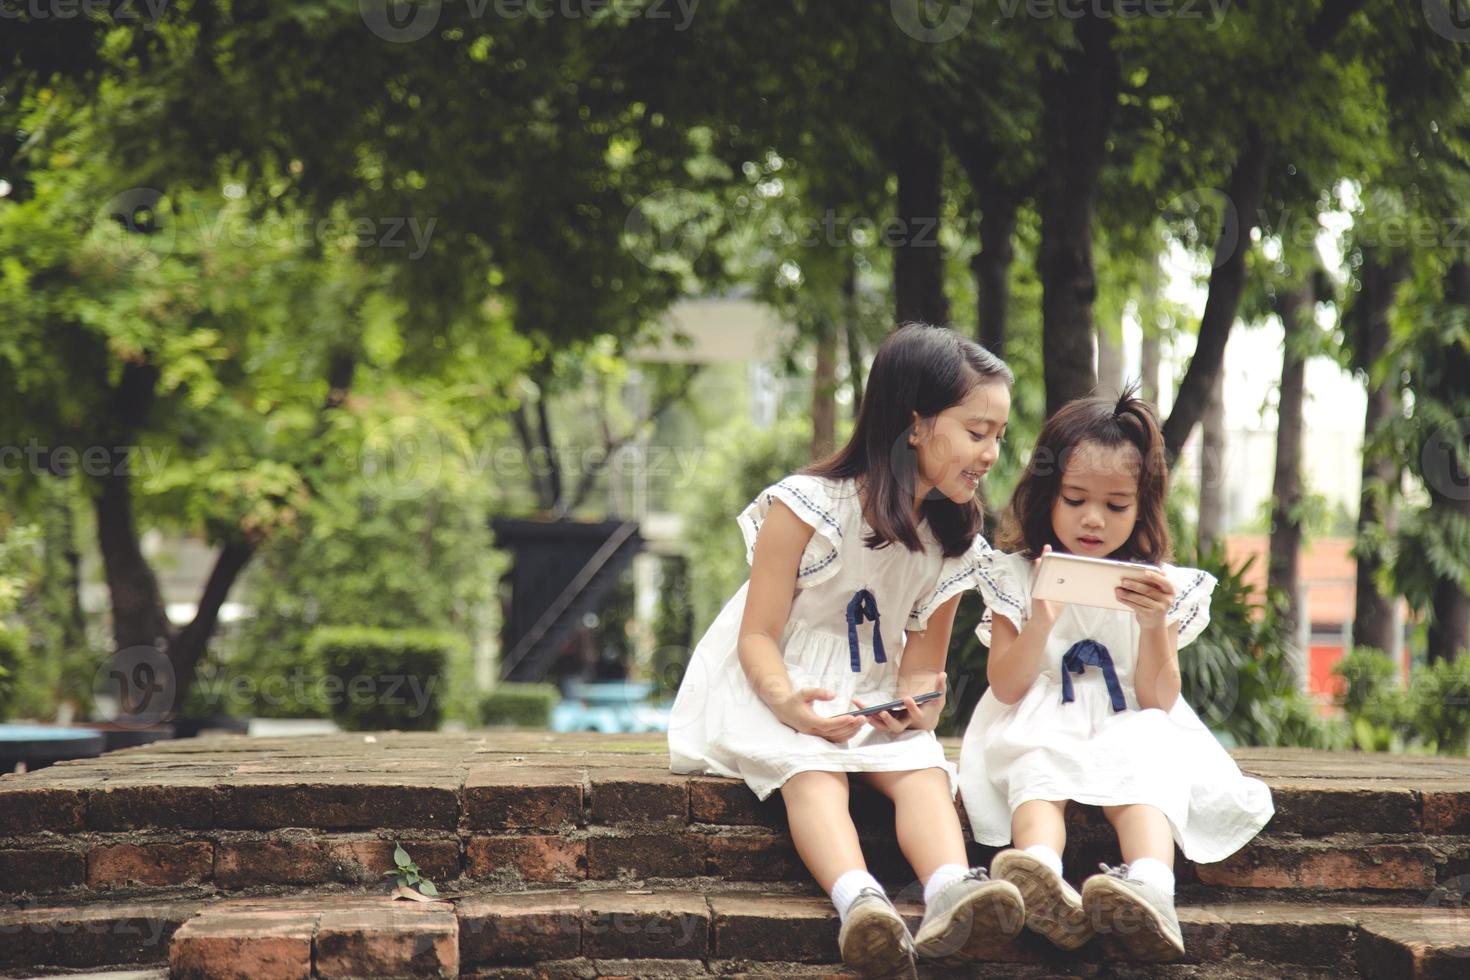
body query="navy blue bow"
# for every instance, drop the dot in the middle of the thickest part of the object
(1090, 653)
(863, 608)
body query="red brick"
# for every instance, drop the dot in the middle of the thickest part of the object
(153, 805)
(538, 858)
(505, 796)
(223, 944)
(668, 925)
(729, 801)
(761, 857)
(1346, 866)
(150, 864)
(757, 927)
(1316, 808)
(345, 803)
(675, 855)
(31, 810)
(402, 939)
(639, 796)
(367, 860)
(521, 928)
(40, 870)
(1447, 813)
(1428, 943)
(243, 864)
(103, 933)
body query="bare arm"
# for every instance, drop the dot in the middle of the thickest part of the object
(778, 550)
(1156, 678)
(922, 669)
(1015, 657)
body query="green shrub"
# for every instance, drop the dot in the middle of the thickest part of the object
(521, 705)
(1237, 674)
(12, 667)
(376, 678)
(1376, 705)
(1439, 700)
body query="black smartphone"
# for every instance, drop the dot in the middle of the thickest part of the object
(896, 707)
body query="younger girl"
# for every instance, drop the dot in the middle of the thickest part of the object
(857, 565)
(1084, 701)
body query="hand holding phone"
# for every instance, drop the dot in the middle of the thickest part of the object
(893, 707)
(1085, 581)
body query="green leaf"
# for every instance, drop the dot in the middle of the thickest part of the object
(400, 856)
(426, 887)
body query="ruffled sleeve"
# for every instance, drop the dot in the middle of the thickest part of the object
(811, 499)
(955, 576)
(1006, 585)
(1191, 608)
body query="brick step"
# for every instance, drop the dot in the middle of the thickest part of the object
(510, 809)
(1391, 868)
(646, 932)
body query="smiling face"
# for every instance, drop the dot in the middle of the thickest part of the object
(1096, 505)
(960, 444)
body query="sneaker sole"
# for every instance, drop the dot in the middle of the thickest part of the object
(877, 945)
(975, 929)
(1047, 909)
(1119, 911)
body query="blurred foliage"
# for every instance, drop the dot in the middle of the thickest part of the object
(378, 679)
(1431, 714)
(519, 705)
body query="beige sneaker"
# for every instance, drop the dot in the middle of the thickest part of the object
(1053, 907)
(875, 940)
(970, 920)
(1140, 915)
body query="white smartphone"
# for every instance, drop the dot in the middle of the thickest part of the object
(1084, 581)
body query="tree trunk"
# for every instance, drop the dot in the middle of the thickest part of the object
(824, 390)
(853, 343)
(1449, 627)
(1079, 101)
(1150, 367)
(1109, 362)
(138, 616)
(992, 268)
(918, 262)
(1373, 624)
(1296, 310)
(1227, 283)
(1212, 470)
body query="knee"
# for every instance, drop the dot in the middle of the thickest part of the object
(815, 785)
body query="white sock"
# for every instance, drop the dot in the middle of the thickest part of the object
(1046, 856)
(1152, 871)
(943, 876)
(845, 889)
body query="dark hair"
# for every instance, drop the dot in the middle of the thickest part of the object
(1128, 421)
(919, 369)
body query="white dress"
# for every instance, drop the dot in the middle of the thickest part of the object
(1045, 748)
(720, 726)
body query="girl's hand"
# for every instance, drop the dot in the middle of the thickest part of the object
(919, 717)
(795, 711)
(1149, 594)
(1042, 608)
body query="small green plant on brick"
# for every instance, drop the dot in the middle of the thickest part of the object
(407, 874)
